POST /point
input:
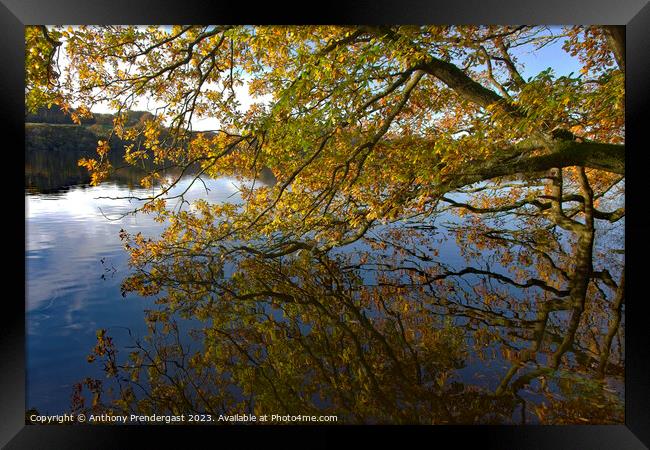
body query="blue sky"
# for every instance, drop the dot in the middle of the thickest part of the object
(552, 56)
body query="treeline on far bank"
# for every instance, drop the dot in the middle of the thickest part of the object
(55, 115)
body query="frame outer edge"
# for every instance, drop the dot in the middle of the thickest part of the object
(13, 17)
(637, 97)
(12, 331)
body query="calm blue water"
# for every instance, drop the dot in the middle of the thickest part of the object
(74, 265)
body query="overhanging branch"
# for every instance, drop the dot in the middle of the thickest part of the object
(607, 157)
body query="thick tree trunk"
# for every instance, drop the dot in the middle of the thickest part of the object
(616, 42)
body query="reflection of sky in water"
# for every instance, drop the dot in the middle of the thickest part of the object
(70, 245)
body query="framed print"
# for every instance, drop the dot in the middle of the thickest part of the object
(395, 221)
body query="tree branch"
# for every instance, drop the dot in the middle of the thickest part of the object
(607, 157)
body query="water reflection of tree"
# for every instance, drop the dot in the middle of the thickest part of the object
(51, 171)
(388, 332)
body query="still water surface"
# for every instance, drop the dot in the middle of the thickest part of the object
(75, 263)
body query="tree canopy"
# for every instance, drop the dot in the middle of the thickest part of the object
(370, 123)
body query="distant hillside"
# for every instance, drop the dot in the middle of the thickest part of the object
(80, 139)
(54, 144)
(53, 130)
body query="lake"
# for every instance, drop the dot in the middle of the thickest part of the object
(76, 263)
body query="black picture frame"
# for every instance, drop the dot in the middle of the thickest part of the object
(634, 14)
